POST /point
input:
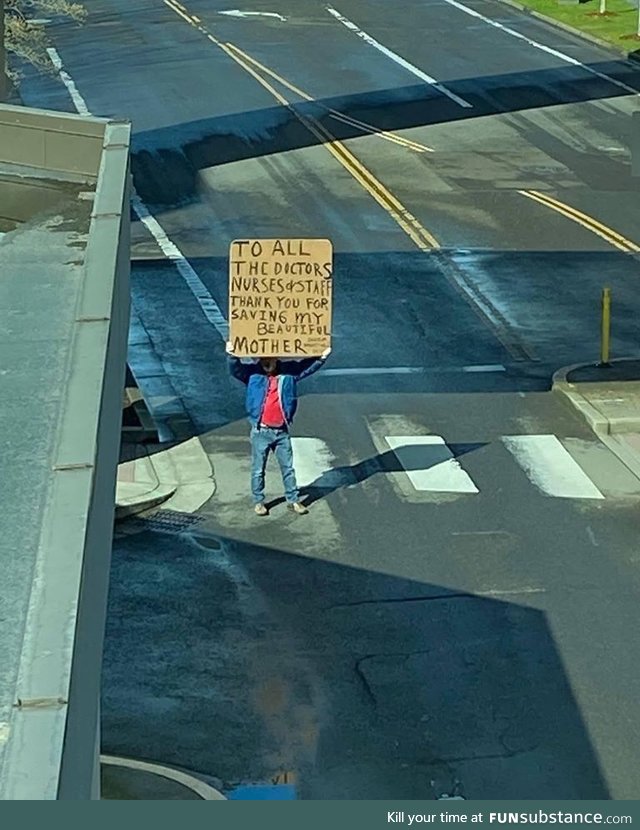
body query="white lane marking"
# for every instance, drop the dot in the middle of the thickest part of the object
(203, 790)
(550, 467)
(392, 370)
(537, 45)
(512, 592)
(313, 463)
(429, 464)
(489, 367)
(78, 101)
(398, 59)
(238, 13)
(413, 370)
(209, 306)
(480, 533)
(206, 302)
(592, 536)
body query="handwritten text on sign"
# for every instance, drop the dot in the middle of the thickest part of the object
(280, 297)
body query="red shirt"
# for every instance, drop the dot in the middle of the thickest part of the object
(272, 415)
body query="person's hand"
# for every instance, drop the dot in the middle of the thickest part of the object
(229, 347)
(325, 354)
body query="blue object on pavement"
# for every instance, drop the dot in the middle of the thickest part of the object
(263, 792)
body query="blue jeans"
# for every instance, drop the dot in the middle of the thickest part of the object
(278, 441)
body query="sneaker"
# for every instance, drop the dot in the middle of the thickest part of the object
(260, 509)
(298, 508)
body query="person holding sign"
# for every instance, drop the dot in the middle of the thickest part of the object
(271, 403)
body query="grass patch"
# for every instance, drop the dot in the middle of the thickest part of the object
(618, 26)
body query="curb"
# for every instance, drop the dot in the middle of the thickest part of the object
(135, 497)
(628, 457)
(597, 420)
(560, 375)
(599, 423)
(565, 27)
(196, 785)
(125, 511)
(188, 466)
(559, 383)
(181, 479)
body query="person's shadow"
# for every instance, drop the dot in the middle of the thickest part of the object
(408, 458)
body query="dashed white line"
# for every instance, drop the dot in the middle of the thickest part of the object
(386, 370)
(512, 592)
(490, 367)
(480, 533)
(413, 370)
(238, 13)
(537, 45)
(398, 59)
(210, 308)
(78, 101)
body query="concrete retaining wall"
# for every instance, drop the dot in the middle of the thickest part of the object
(52, 750)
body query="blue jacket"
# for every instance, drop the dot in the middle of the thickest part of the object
(289, 372)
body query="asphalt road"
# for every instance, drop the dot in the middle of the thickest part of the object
(397, 642)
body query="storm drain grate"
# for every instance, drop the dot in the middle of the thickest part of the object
(165, 521)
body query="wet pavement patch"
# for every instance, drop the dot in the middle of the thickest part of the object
(209, 542)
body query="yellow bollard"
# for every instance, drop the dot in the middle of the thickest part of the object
(606, 327)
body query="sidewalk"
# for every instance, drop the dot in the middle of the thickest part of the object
(179, 478)
(609, 400)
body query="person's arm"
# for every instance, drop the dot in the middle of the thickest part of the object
(307, 367)
(239, 370)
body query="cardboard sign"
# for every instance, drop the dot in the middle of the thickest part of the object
(280, 297)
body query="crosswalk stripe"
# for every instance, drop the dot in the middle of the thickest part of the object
(313, 463)
(430, 464)
(550, 467)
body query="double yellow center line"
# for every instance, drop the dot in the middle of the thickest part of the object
(335, 114)
(403, 217)
(407, 143)
(612, 237)
(421, 237)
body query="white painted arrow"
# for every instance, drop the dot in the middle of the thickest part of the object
(238, 13)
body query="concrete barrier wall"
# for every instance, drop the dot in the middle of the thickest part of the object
(53, 142)
(56, 756)
(106, 295)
